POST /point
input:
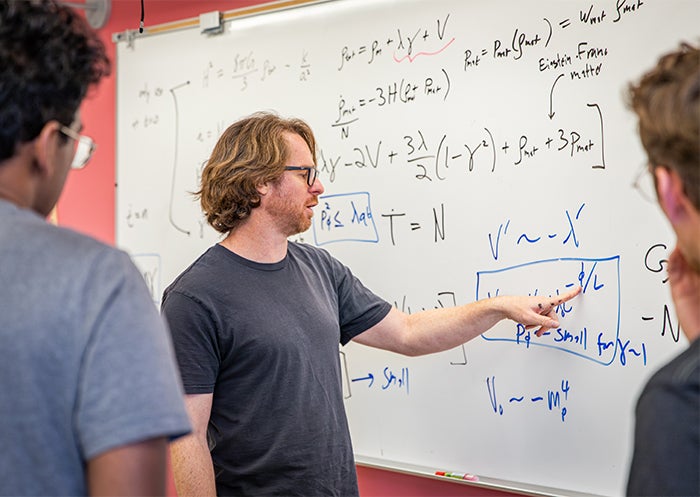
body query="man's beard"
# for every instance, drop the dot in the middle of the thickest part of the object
(291, 220)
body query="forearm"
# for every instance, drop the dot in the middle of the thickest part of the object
(135, 469)
(192, 466)
(437, 330)
(433, 330)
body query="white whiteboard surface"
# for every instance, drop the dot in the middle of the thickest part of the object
(467, 149)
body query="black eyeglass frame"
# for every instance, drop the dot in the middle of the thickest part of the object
(311, 172)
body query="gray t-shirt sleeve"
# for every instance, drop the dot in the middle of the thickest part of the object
(128, 386)
(196, 340)
(358, 307)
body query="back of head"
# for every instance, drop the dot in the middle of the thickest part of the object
(667, 102)
(250, 153)
(49, 57)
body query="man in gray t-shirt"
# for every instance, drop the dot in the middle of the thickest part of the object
(257, 322)
(89, 391)
(278, 424)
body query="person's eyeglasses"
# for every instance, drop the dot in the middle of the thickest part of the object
(84, 147)
(644, 183)
(311, 173)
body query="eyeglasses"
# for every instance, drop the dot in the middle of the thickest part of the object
(644, 183)
(311, 173)
(84, 147)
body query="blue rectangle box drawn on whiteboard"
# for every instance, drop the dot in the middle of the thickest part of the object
(345, 217)
(590, 332)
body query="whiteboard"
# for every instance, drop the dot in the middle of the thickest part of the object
(467, 149)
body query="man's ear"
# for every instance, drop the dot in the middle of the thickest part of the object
(672, 198)
(263, 189)
(45, 148)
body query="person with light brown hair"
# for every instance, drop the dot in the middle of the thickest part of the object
(257, 320)
(666, 458)
(230, 180)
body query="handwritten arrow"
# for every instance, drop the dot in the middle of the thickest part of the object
(551, 112)
(369, 377)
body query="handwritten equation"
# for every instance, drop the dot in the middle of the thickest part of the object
(553, 399)
(597, 337)
(444, 157)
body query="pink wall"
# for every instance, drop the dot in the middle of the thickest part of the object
(87, 204)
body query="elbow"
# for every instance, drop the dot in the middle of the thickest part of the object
(411, 346)
(413, 351)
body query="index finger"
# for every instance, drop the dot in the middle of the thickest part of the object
(560, 299)
(565, 297)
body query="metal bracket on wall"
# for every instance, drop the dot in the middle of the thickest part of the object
(96, 11)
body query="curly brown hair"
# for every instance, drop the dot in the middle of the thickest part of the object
(250, 153)
(667, 102)
(49, 58)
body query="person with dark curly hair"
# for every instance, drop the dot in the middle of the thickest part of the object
(257, 321)
(89, 389)
(666, 457)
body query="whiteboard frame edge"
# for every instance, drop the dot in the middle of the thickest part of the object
(229, 15)
(484, 481)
